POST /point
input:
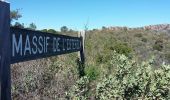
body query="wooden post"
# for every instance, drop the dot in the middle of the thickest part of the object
(82, 36)
(5, 51)
(81, 62)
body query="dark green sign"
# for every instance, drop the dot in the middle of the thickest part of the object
(30, 45)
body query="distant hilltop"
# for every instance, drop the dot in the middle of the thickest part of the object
(158, 27)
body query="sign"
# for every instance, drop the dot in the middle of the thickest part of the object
(18, 45)
(5, 74)
(29, 45)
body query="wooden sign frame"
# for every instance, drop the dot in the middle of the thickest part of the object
(5, 75)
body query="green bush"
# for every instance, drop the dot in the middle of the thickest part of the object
(49, 73)
(144, 39)
(135, 81)
(122, 48)
(158, 45)
(129, 81)
(80, 90)
(167, 56)
(30, 84)
(138, 35)
(101, 59)
(92, 72)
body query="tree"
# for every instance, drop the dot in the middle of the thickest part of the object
(32, 26)
(64, 29)
(44, 30)
(51, 31)
(125, 28)
(86, 26)
(104, 28)
(18, 25)
(15, 15)
(159, 44)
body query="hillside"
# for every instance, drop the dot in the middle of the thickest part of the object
(144, 51)
(158, 27)
(143, 43)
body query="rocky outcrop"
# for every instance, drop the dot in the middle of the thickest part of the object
(158, 27)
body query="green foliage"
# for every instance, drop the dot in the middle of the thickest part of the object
(99, 58)
(32, 26)
(64, 29)
(44, 30)
(30, 84)
(135, 81)
(18, 25)
(15, 15)
(80, 68)
(125, 29)
(138, 35)
(49, 73)
(122, 48)
(51, 31)
(167, 56)
(92, 72)
(80, 90)
(144, 39)
(104, 28)
(102, 58)
(158, 45)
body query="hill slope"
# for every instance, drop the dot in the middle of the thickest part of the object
(58, 77)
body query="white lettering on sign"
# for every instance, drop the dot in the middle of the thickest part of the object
(68, 44)
(64, 44)
(34, 40)
(73, 44)
(44, 45)
(47, 38)
(26, 45)
(40, 40)
(56, 44)
(16, 46)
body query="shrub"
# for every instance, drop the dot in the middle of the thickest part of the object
(144, 39)
(30, 84)
(138, 35)
(167, 56)
(101, 59)
(158, 45)
(129, 81)
(92, 72)
(80, 90)
(50, 72)
(134, 81)
(122, 48)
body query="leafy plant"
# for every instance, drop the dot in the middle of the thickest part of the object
(167, 56)
(30, 84)
(122, 48)
(144, 39)
(135, 81)
(158, 45)
(92, 72)
(80, 90)
(138, 35)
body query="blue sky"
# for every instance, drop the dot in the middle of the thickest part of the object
(76, 13)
